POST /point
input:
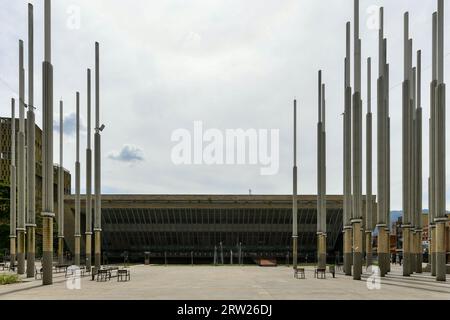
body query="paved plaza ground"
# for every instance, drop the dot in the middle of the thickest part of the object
(230, 283)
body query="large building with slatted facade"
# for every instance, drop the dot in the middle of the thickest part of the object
(178, 226)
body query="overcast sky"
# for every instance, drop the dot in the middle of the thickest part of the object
(228, 63)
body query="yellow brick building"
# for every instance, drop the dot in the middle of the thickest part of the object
(5, 161)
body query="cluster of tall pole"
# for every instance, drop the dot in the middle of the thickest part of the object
(412, 157)
(357, 213)
(355, 220)
(353, 208)
(321, 177)
(22, 202)
(437, 188)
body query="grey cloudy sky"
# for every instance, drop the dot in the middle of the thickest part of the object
(228, 63)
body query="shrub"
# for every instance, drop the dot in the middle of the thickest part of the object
(9, 279)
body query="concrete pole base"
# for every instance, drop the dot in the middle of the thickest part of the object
(348, 255)
(322, 251)
(433, 250)
(21, 252)
(88, 251)
(294, 252)
(433, 264)
(97, 250)
(369, 260)
(357, 253)
(406, 252)
(76, 259)
(418, 263)
(419, 252)
(441, 267)
(47, 268)
(47, 252)
(31, 244)
(413, 252)
(406, 264)
(12, 260)
(388, 250)
(357, 265)
(61, 250)
(88, 261)
(383, 255)
(12, 251)
(98, 263)
(77, 251)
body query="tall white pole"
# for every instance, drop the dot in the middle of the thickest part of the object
(432, 149)
(321, 221)
(13, 195)
(89, 177)
(419, 223)
(369, 201)
(348, 231)
(294, 196)
(77, 233)
(440, 166)
(47, 154)
(407, 149)
(31, 154)
(21, 205)
(61, 186)
(97, 160)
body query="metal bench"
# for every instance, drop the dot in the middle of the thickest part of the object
(123, 275)
(320, 273)
(71, 271)
(59, 268)
(299, 273)
(103, 275)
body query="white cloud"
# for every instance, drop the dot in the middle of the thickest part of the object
(128, 154)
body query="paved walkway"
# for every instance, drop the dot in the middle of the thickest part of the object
(231, 282)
